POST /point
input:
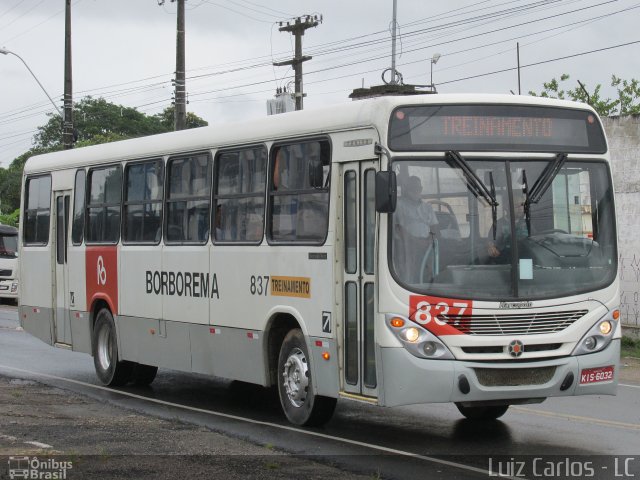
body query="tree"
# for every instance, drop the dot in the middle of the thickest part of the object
(167, 118)
(96, 121)
(628, 102)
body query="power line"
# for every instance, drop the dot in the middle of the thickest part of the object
(566, 57)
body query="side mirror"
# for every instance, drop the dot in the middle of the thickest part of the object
(386, 192)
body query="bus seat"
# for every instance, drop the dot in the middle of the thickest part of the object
(448, 225)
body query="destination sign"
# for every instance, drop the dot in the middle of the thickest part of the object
(495, 128)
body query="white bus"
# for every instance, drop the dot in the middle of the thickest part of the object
(9, 284)
(398, 250)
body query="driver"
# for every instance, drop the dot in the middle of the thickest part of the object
(500, 247)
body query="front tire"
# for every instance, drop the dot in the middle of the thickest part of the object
(295, 384)
(111, 371)
(488, 412)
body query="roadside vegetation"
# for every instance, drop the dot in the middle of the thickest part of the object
(96, 121)
(630, 347)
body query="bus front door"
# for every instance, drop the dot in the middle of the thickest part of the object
(61, 297)
(359, 237)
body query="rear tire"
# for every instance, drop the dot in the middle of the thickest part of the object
(111, 371)
(143, 375)
(488, 412)
(295, 384)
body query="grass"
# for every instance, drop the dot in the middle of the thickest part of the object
(272, 465)
(630, 347)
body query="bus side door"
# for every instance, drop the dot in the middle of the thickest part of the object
(61, 296)
(359, 242)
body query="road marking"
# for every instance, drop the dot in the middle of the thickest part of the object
(589, 420)
(15, 329)
(38, 444)
(627, 385)
(267, 424)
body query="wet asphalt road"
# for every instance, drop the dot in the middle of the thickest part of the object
(426, 441)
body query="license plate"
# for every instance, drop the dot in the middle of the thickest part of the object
(594, 375)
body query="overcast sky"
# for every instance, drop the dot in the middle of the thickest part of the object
(124, 51)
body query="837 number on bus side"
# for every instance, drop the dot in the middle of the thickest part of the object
(259, 285)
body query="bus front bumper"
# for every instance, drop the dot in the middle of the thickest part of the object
(411, 380)
(8, 288)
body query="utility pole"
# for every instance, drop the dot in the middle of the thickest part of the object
(180, 96)
(297, 29)
(181, 87)
(67, 123)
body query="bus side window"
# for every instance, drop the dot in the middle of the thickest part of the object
(104, 204)
(37, 210)
(239, 195)
(143, 202)
(299, 194)
(77, 228)
(188, 199)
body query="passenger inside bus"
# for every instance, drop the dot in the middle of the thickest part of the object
(416, 228)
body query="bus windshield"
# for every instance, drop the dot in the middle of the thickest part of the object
(8, 246)
(447, 239)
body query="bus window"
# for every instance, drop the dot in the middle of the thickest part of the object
(188, 199)
(300, 192)
(37, 210)
(77, 228)
(239, 195)
(143, 202)
(103, 210)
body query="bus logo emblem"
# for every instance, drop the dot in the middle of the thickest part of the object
(516, 348)
(102, 272)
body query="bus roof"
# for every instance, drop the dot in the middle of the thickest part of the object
(356, 114)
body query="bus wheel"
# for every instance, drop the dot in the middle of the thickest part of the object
(487, 412)
(143, 375)
(111, 371)
(295, 384)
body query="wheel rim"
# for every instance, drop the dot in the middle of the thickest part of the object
(105, 348)
(296, 377)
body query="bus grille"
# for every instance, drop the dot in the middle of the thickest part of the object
(5, 273)
(514, 377)
(514, 324)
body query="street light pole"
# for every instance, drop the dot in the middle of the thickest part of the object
(4, 51)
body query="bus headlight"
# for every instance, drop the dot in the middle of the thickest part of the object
(599, 336)
(605, 327)
(410, 334)
(417, 340)
(590, 343)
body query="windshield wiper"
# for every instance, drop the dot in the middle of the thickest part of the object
(545, 179)
(477, 186)
(527, 210)
(541, 185)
